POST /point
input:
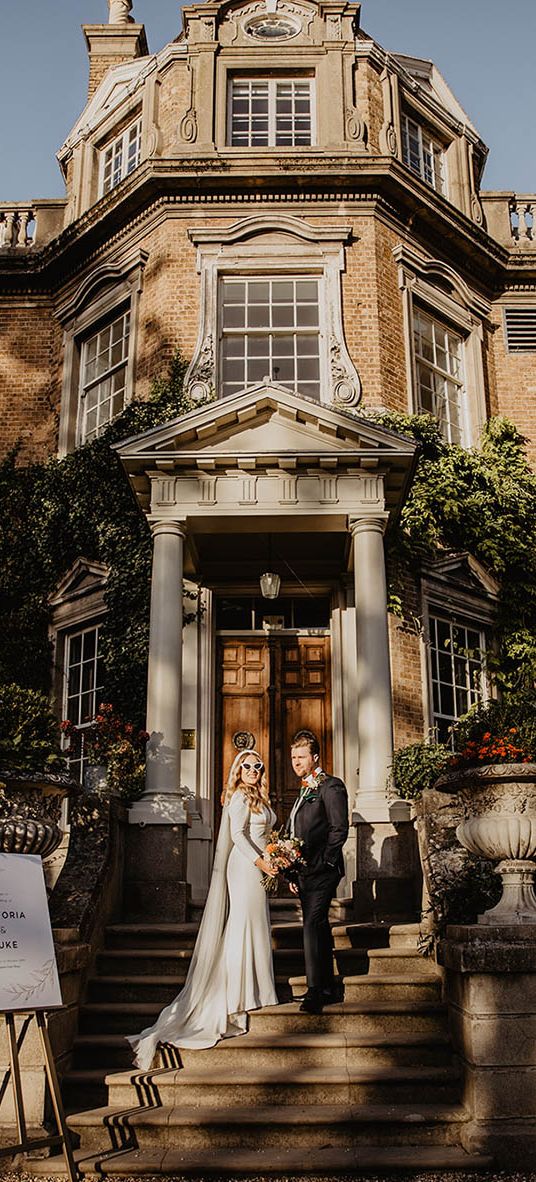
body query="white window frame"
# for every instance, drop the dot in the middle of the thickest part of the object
(443, 375)
(474, 693)
(101, 297)
(427, 144)
(268, 245)
(317, 331)
(96, 690)
(423, 281)
(96, 383)
(272, 84)
(120, 146)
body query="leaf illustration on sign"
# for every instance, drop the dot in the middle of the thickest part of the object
(43, 978)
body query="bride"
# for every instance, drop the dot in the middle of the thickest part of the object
(231, 969)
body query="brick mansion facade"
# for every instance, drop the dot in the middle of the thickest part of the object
(300, 213)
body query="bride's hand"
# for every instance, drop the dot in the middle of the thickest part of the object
(265, 867)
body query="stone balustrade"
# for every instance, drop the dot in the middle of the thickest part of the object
(24, 224)
(511, 219)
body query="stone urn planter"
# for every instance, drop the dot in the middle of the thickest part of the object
(30, 811)
(458, 796)
(498, 822)
(509, 840)
(492, 788)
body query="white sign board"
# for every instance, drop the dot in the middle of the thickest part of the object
(28, 973)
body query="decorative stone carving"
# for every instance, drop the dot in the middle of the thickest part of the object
(388, 137)
(119, 12)
(201, 381)
(333, 26)
(355, 127)
(512, 839)
(19, 835)
(344, 386)
(188, 126)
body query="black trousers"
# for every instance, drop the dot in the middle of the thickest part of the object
(316, 893)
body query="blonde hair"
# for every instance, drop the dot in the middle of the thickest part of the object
(257, 794)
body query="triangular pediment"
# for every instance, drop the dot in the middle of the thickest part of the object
(464, 572)
(83, 578)
(267, 421)
(270, 427)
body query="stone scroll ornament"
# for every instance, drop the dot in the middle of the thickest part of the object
(346, 390)
(201, 380)
(119, 12)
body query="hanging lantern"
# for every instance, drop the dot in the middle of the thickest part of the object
(270, 584)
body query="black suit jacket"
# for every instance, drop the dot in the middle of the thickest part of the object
(322, 824)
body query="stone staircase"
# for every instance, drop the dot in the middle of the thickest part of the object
(369, 1084)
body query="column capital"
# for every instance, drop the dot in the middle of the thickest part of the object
(162, 526)
(368, 523)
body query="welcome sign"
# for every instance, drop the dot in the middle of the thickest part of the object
(28, 972)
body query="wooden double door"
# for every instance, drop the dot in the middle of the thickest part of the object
(269, 687)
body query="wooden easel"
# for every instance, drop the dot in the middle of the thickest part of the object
(62, 1137)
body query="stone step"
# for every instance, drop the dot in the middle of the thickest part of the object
(271, 1125)
(117, 1017)
(316, 1085)
(392, 987)
(365, 1015)
(400, 960)
(154, 988)
(151, 935)
(137, 962)
(112, 1051)
(84, 1088)
(328, 1162)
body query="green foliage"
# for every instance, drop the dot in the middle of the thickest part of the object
(417, 767)
(51, 514)
(460, 893)
(484, 502)
(29, 732)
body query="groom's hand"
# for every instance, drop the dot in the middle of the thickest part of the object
(293, 888)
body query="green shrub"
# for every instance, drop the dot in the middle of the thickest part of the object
(29, 732)
(417, 767)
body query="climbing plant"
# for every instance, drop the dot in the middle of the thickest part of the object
(482, 501)
(50, 514)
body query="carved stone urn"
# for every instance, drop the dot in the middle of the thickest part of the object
(31, 809)
(498, 805)
(510, 840)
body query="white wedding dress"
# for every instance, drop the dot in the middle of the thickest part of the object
(231, 970)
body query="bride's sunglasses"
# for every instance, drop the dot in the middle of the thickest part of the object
(252, 767)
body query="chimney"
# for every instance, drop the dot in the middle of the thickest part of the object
(121, 40)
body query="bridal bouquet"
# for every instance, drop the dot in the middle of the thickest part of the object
(281, 852)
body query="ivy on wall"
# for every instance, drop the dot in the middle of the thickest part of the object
(484, 502)
(54, 512)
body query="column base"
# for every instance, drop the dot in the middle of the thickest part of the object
(155, 887)
(160, 808)
(388, 882)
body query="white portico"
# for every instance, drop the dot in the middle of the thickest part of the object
(268, 463)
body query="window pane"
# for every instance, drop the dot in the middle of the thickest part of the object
(265, 112)
(281, 306)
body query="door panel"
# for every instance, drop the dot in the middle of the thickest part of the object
(272, 687)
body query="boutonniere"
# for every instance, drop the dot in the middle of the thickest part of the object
(311, 784)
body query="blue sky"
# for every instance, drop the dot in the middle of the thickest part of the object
(485, 49)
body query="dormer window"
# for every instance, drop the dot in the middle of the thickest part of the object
(424, 154)
(120, 157)
(270, 112)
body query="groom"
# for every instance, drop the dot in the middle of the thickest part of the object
(319, 817)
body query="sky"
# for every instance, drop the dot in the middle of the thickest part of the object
(484, 48)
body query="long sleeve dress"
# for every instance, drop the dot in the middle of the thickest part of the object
(231, 970)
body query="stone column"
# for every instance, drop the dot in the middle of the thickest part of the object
(155, 884)
(386, 849)
(374, 702)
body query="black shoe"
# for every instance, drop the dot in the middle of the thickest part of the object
(312, 1002)
(333, 996)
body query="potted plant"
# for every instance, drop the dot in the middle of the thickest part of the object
(33, 775)
(115, 753)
